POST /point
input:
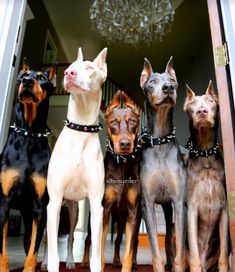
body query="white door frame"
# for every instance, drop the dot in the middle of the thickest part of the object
(14, 15)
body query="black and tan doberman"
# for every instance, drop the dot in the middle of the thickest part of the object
(24, 163)
(207, 214)
(163, 174)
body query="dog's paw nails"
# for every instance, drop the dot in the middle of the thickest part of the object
(85, 265)
(43, 267)
(70, 265)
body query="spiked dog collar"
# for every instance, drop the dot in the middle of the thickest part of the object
(205, 153)
(28, 133)
(149, 140)
(95, 128)
(123, 158)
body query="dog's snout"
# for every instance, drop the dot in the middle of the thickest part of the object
(202, 111)
(168, 89)
(27, 81)
(125, 144)
(70, 72)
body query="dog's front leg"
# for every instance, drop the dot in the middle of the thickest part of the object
(73, 219)
(53, 214)
(192, 225)
(224, 241)
(3, 237)
(179, 264)
(151, 225)
(96, 210)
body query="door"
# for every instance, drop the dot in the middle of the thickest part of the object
(225, 93)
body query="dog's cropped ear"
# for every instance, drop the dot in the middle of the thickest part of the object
(189, 95)
(128, 103)
(169, 67)
(25, 65)
(51, 74)
(80, 55)
(100, 62)
(116, 102)
(210, 91)
(146, 72)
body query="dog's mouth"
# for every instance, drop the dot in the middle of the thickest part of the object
(167, 101)
(28, 96)
(204, 123)
(72, 86)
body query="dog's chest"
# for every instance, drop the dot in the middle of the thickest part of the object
(206, 184)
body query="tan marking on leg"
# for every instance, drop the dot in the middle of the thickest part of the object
(7, 180)
(31, 259)
(109, 193)
(127, 260)
(132, 195)
(3, 256)
(39, 184)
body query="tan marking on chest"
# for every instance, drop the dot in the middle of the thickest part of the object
(39, 184)
(7, 179)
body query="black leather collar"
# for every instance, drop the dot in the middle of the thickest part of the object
(149, 141)
(205, 153)
(83, 128)
(28, 133)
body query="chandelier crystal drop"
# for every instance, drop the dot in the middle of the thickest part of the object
(135, 23)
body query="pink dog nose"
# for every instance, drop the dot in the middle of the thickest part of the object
(70, 72)
(202, 111)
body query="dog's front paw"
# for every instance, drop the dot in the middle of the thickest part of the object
(85, 265)
(43, 266)
(70, 265)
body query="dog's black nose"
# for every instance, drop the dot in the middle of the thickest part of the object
(168, 89)
(28, 81)
(125, 143)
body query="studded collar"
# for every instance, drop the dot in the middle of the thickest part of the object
(205, 153)
(149, 141)
(28, 133)
(83, 128)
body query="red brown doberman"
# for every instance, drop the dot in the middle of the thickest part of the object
(122, 185)
(207, 214)
(24, 162)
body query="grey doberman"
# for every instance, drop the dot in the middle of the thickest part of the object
(163, 173)
(208, 235)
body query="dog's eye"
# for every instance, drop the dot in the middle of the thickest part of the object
(172, 80)
(132, 122)
(211, 101)
(90, 68)
(152, 81)
(114, 122)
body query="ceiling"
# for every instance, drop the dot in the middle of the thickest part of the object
(72, 24)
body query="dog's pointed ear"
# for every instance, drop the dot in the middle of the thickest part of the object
(169, 67)
(116, 102)
(189, 95)
(80, 55)
(25, 65)
(100, 62)
(210, 91)
(146, 72)
(129, 103)
(52, 74)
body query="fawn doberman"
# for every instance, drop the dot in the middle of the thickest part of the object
(76, 168)
(24, 162)
(122, 197)
(207, 210)
(163, 174)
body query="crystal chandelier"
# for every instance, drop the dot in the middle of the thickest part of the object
(132, 22)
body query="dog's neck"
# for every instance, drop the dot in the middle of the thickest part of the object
(203, 138)
(33, 117)
(159, 122)
(84, 108)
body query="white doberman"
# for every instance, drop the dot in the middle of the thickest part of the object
(76, 167)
